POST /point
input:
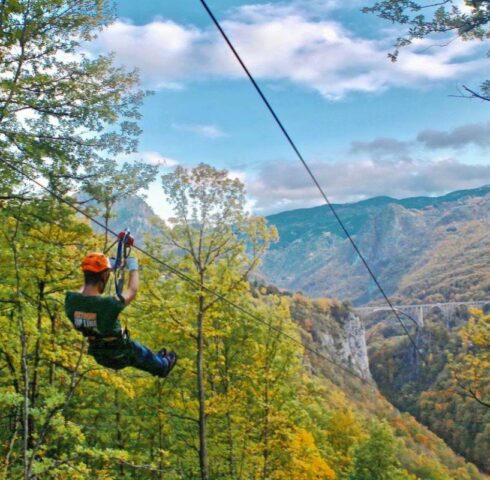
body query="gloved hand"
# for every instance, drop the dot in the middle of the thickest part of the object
(132, 264)
(112, 261)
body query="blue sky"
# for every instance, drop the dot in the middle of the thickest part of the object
(367, 126)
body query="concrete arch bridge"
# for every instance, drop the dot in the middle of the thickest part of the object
(417, 313)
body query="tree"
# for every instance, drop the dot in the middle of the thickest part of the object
(446, 19)
(374, 459)
(63, 114)
(110, 183)
(306, 461)
(61, 110)
(470, 370)
(221, 244)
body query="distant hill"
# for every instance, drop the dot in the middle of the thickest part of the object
(133, 213)
(400, 239)
(423, 250)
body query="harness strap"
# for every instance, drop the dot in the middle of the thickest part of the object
(124, 244)
(124, 338)
(105, 339)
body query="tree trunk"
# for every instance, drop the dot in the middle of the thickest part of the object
(265, 472)
(119, 436)
(53, 336)
(26, 409)
(37, 358)
(11, 445)
(160, 434)
(107, 214)
(231, 447)
(229, 421)
(23, 355)
(201, 390)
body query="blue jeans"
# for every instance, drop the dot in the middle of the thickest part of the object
(144, 359)
(124, 353)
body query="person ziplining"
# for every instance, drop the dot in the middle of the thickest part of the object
(96, 316)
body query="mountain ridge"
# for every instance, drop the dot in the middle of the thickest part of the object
(409, 202)
(395, 236)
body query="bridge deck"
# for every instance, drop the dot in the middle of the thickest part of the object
(380, 308)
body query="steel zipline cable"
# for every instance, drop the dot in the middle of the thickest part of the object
(307, 167)
(184, 276)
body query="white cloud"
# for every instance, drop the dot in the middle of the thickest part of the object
(383, 149)
(464, 7)
(283, 42)
(285, 185)
(310, 8)
(156, 199)
(207, 131)
(155, 158)
(157, 48)
(150, 157)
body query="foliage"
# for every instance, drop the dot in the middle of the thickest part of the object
(375, 458)
(446, 19)
(306, 461)
(61, 111)
(444, 389)
(470, 370)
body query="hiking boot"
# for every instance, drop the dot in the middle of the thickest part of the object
(171, 358)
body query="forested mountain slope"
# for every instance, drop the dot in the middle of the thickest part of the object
(456, 267)
(437, 386)
(401, 239)
(330, 326)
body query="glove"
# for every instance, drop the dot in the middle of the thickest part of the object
(132, 264)
(112, 261)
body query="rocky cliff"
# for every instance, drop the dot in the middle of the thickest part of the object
(335, 331)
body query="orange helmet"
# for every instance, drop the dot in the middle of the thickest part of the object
(96, 263)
